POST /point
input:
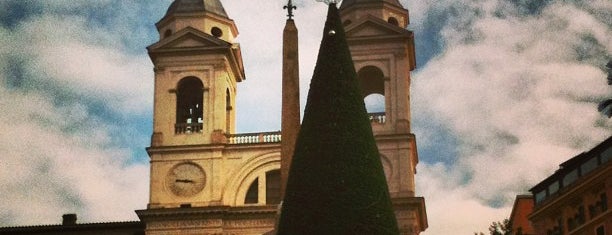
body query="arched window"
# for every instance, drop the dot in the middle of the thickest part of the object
(228, 112)
(189, 107)
(252, 195)
(393, 21)
(272, 189)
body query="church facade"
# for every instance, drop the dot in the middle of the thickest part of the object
(206, 178)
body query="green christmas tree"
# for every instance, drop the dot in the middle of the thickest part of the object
(336, 183)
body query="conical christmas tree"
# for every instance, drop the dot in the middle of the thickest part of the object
(336, 182)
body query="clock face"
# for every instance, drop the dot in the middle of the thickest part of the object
(186, 179)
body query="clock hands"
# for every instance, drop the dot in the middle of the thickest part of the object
(184, 181)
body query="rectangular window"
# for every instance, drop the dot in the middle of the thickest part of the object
(603, 200)
(600, 230)
(540, 196)
(570, 177)
(571, 224)
(599, 206)
(606, 155)
(580, 216)
(553, 188)
(589, 166)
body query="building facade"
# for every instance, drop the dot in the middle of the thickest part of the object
(522, 208)
(206, 178)
(574, 200)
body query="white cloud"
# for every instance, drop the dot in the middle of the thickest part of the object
(51, 172)
(518, 99)
(82, 60)
(61, 156)
(452, 209)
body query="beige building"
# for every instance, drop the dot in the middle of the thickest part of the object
(204, 176)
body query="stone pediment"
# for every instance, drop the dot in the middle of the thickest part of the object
(188, 38)
(372, 26)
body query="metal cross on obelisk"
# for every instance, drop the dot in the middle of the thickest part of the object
(290, 7)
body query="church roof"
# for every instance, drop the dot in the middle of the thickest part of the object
(194, 6)
(348, 3)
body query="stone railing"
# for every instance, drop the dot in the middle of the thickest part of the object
(187, 128)
(254, 138)
(380, 118)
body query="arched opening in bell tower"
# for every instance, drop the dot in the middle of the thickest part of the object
(372, 82)
(189, 105)
(393, 21)
(375, 103)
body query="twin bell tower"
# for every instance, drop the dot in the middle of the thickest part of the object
(206, 178)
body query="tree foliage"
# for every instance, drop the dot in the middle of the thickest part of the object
(336, 182)
(499, 228)
(606, 106)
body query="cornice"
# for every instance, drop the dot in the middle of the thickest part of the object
(75, 227)
(417, 203)
(208, 147)
(394, 136)
(399, 38)
(167, 19)
(215, 212)
(577, 189)
(389, 6)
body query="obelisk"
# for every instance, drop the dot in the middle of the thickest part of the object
(290, 122)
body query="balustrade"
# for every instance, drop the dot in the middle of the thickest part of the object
(187, 128)
(254, 138)
(379, 118)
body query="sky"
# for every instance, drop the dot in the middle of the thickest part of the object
(504, 91)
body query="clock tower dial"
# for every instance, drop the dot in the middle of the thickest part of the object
(186, 179)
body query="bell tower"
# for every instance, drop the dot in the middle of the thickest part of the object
(197, 65)
(205, 178)
(383, 53)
